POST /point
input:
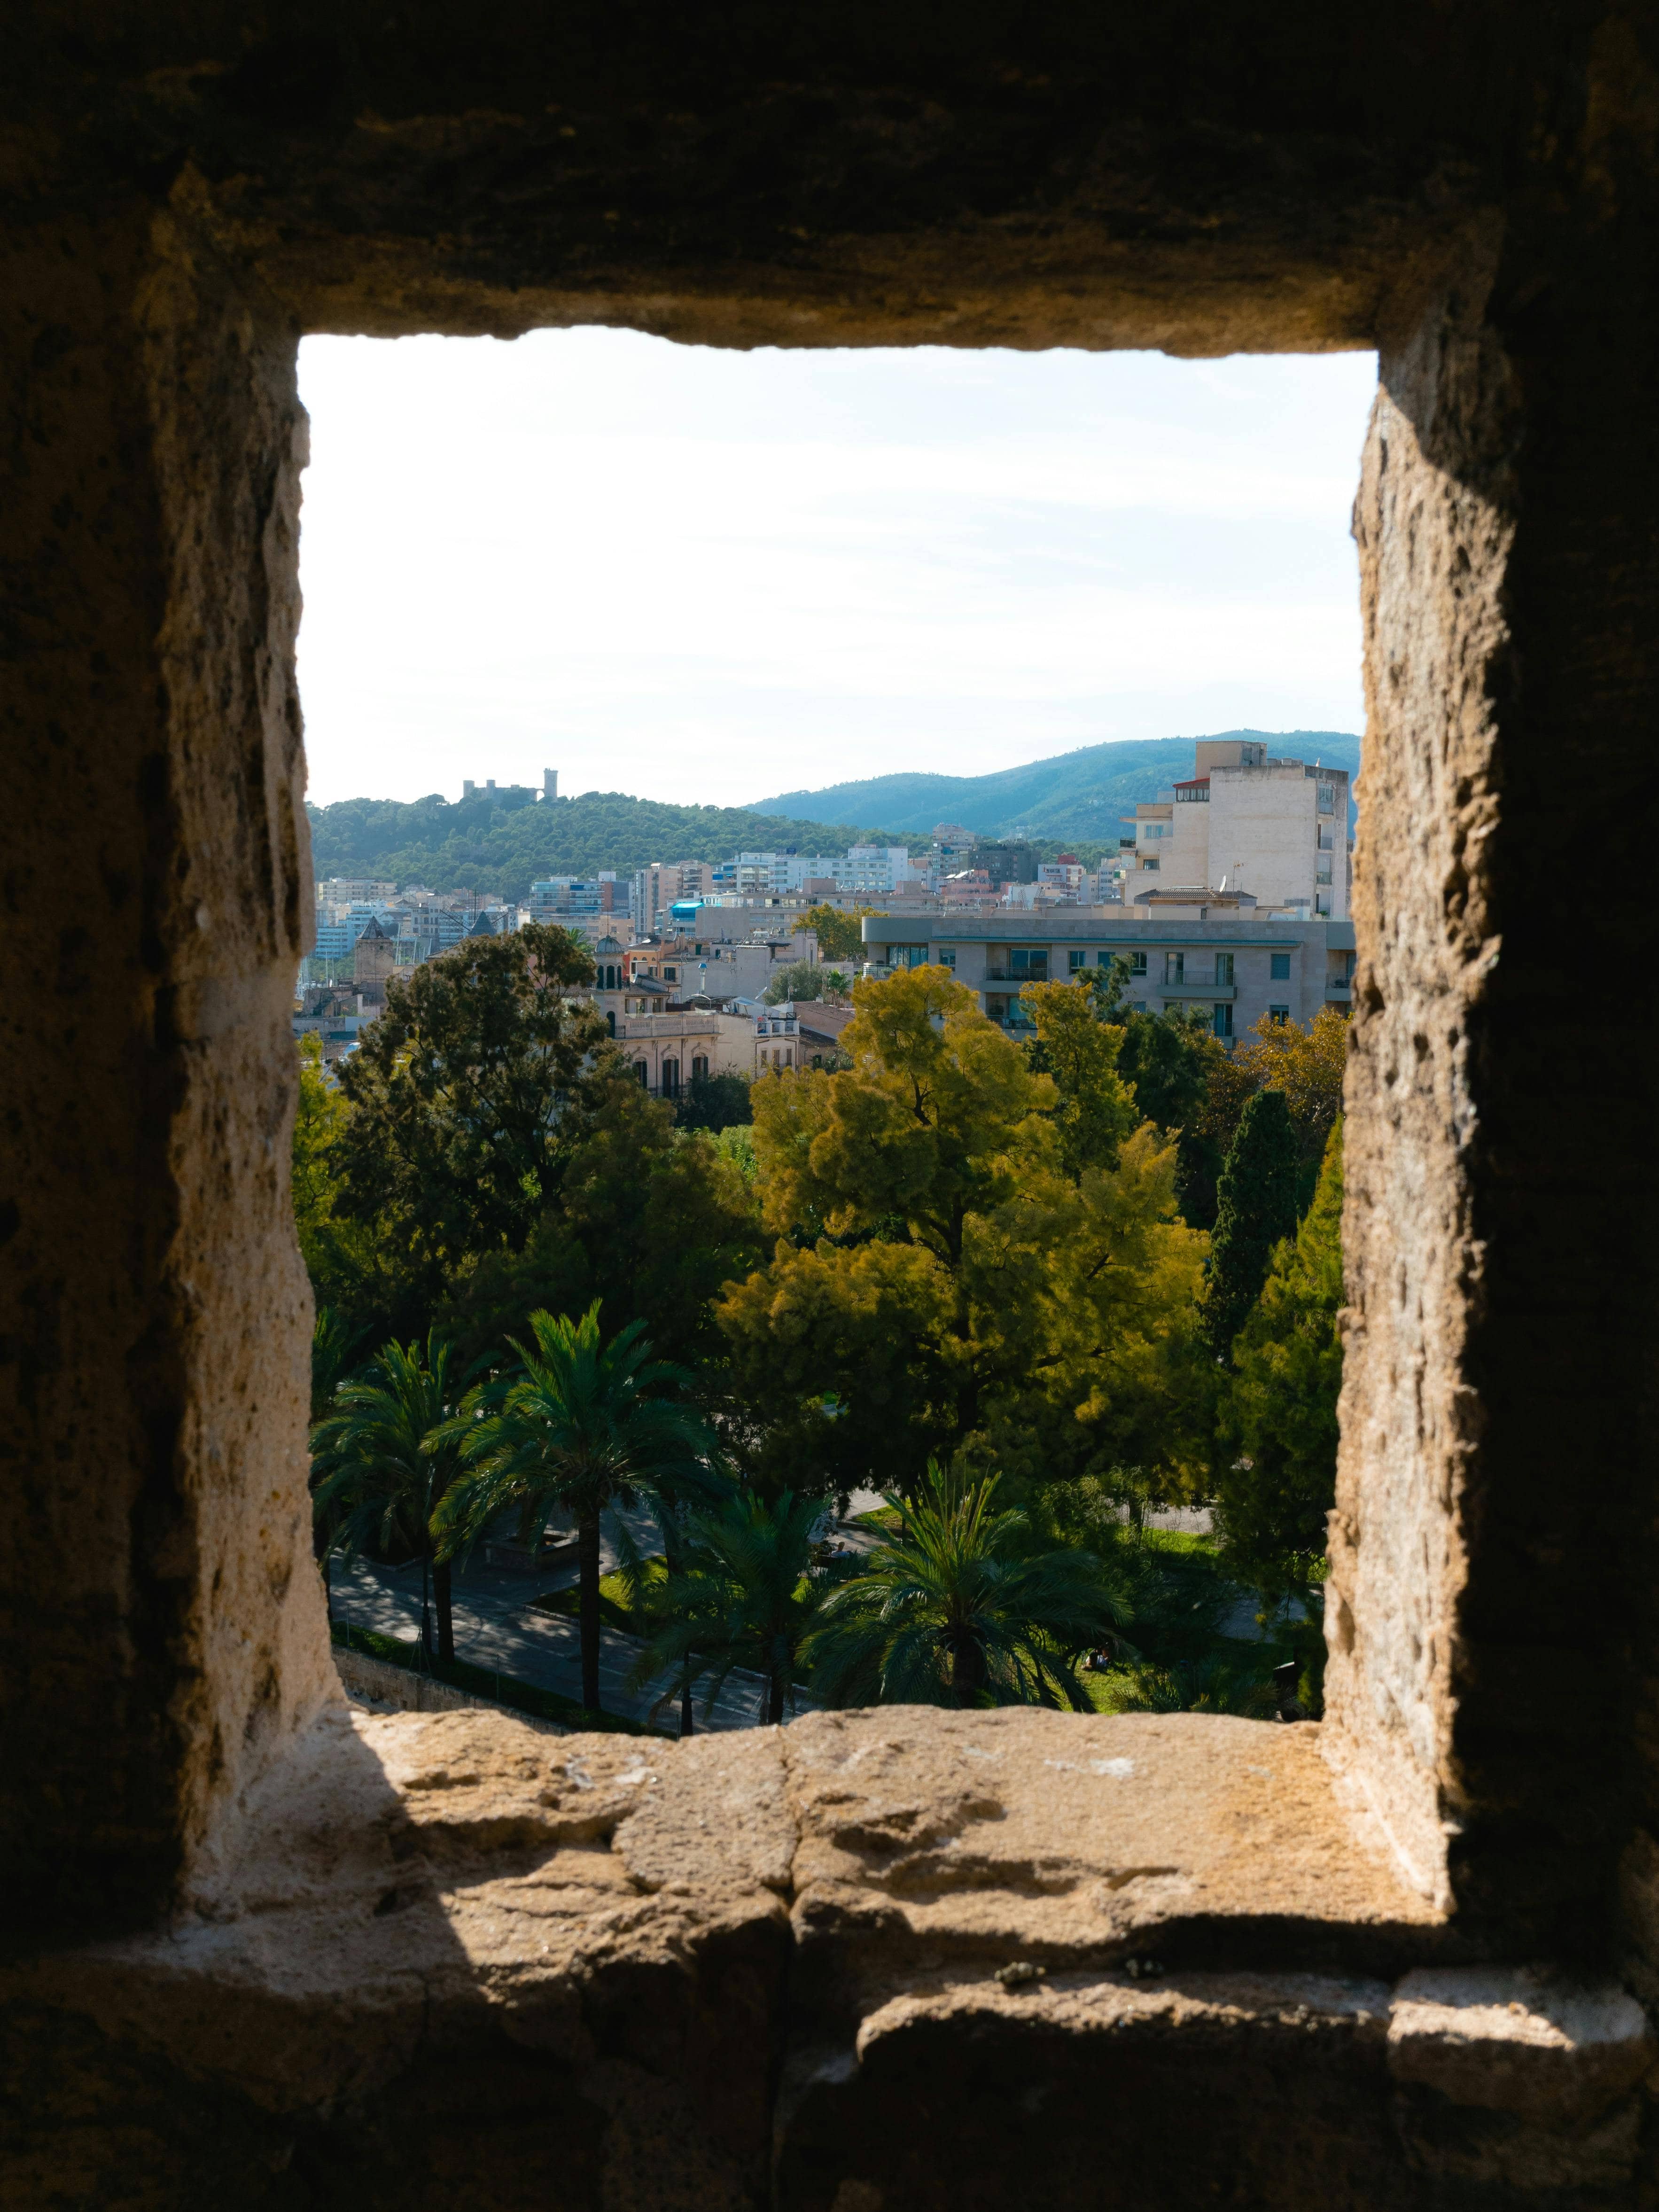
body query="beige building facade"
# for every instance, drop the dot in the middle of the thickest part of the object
(1245, 820)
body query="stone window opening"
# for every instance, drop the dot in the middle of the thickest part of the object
(751, 1963)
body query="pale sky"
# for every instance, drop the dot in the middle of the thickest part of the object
(707, 576)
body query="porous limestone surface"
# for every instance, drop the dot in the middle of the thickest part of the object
(873, 1950)
(1059, 1839)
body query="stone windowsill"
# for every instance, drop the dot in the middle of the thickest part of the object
(882, 1953)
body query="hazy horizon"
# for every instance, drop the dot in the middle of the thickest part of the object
(706, 577)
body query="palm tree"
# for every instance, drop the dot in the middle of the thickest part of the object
(742, 1594)
(385, 1457)
(949, 1614)
(581, 1428)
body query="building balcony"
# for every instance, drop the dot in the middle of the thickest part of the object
(1192, 987)
(1339, 987)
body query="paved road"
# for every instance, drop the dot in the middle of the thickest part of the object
(496, 1627)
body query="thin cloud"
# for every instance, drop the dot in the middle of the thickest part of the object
(704, 575)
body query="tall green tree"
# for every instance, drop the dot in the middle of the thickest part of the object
(1182, 1078)
(385, 1457)
(958, 1611)
(584, 1426)
(652, 1220)
(1309, 1066)
(468, 1099)
(743, 1594)
(940, 1274)
(1256, 1208)
(1277, 1482)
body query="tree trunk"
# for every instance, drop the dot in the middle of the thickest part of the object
(587, 1564)
(966, 1669)
(686, 1719)
(442, 1601)
(776, 1700)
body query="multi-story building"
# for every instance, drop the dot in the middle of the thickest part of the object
(653, 890)
(1238, 969)
(1278, 829)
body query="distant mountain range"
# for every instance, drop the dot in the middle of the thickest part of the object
(503, 843)
(1077, 795)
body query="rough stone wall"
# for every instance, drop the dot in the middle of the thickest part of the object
(162, 1636)
(1493, 1545)
(1473, 189)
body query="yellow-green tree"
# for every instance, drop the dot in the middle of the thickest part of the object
(950, 1273)
(1096, 1109)
(840, 934)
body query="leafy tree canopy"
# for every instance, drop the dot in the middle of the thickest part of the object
(840, 933)
(940, 1276)
(651, 1220)
(468, 1096)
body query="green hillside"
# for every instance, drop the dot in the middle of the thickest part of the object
(504, 845)
(1074, 795)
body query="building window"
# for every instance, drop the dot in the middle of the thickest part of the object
(907, 956)
(1279, 1014)
(1151, 865)
(1224, 1018)
(670, 974)
(1280, 964)
(1322, 905)
(1174, 967)
(817, 1060)
(671, 1079)
(643, 1073)
(1224, 969)
(947, 959)
(1030, 963)
(1328, 798)
(1323, 875)
(1137, 963)
(611, 1024)
(1074, 961)
(700, 1070)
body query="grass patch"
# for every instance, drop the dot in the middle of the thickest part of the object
(614, 1612)
(1178, 1542)
(485, 1682)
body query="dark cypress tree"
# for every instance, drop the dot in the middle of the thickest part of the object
(1255, 1207)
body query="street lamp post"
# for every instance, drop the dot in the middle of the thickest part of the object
(426, 1569)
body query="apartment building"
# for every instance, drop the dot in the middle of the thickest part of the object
(1278, 829)
(653, 891)
(1233, 965)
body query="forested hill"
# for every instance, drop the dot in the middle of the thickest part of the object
(506, 844)
(1074, 795)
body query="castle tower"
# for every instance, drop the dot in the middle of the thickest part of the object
(374, 956)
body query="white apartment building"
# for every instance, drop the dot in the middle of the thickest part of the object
(1277, 828)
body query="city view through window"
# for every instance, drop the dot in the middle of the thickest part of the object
(819, 1151)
